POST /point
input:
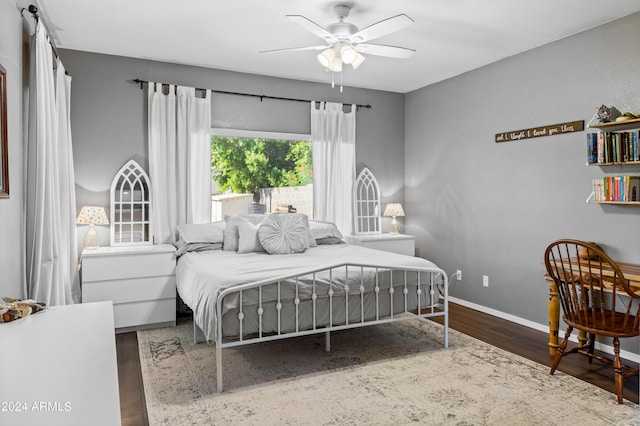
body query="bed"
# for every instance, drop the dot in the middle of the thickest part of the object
(240, 293)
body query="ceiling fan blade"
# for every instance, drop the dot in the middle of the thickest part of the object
(295, 49)
(384, 50)
(312, 27)
(381, 28)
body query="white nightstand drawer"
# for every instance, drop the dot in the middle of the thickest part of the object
(401, 246)
(127, 265)
(130, 290)
(396, 243)
(149, 312)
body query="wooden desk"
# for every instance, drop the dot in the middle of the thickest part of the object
(58, 367)
(630, 271)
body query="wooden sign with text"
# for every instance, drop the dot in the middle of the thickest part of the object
(538, 132)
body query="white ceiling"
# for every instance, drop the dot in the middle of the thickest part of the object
(450, 36)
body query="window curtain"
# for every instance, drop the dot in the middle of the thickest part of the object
(333, 136)
(179, 127)
(51, 242)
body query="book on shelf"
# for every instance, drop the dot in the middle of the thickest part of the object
(592, 148)
(613, 147)
(616, 188)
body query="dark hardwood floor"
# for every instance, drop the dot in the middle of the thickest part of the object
(504, 334)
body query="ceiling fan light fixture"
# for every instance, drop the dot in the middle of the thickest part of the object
(336, 65)
(348, 54)
(358, 60)
(326, 57)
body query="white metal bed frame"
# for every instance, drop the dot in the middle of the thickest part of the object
(329, 289)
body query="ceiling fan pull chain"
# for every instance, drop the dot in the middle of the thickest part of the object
(333, 80)
(340, 82)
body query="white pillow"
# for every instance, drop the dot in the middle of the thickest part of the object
(199, 237)
(248, 237)
(201, 232)
(321, 230)
(284, 233)
(232, 232)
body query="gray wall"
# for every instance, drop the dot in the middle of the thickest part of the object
(108, 117)
(12, 281)
(485, 208)
(491, 208)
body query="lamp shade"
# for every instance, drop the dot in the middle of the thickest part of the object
(92, 215)
(326, 57)
(393, 209)
(359, 59)
(348, 54)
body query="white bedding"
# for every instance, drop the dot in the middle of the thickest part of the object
(202, 275)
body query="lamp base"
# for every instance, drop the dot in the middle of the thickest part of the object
(91, 240)
(393, 230)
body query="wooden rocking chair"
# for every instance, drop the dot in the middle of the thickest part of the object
(595, 298)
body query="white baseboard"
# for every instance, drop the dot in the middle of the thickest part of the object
(540, 327)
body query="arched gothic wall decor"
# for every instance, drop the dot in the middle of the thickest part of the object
(131, 206)
(366, 207)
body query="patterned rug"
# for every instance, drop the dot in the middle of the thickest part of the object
(391, 374)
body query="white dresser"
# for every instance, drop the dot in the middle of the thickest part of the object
(59, 368)
(396, 243)
(139, 280)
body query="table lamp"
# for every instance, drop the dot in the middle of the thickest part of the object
(393, 209)
(92, 215)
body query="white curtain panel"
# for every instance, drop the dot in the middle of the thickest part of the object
(179, 128)
(333, 136)
(52, 273)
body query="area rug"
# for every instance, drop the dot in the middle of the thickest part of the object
(391, 374)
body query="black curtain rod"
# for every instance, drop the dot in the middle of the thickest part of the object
(34, 13)
(224, 92)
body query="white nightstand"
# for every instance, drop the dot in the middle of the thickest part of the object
(140, 280)
(396, 243)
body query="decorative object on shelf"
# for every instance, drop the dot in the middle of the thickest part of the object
(393, 210)
(92, 215)
(537, 132)
(626, 116)
(603, 114)
(131, 206)
(366, 204)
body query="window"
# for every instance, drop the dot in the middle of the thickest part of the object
(257, 174)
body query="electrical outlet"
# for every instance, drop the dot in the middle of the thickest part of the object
(485, 280)
(459, 275)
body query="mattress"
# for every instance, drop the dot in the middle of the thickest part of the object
(201, 276)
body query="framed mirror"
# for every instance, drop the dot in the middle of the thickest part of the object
(4, 138)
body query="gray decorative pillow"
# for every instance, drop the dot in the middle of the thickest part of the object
(232, 229)
(284, 233)
(321, 230)
(189, 247)
(329, 241)
(199, 237)
(201, 233)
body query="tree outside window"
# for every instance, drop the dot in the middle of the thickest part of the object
(252, 165)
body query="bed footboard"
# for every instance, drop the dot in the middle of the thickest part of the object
(325, 300)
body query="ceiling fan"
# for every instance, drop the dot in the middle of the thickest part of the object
(345, 43)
